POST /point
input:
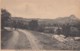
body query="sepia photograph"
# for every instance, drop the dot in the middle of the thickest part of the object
(40, 25)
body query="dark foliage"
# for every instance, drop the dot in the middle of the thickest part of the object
(5, 16)
(33, 25)
(66, 29)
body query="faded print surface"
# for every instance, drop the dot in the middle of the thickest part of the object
(40, 25)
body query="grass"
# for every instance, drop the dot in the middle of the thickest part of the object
(50, 43)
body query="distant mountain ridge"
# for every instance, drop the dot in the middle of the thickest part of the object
(72, 19)
(62, 20)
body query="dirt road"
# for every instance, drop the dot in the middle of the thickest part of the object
(12, 41)
(33, 40)
(23, 39)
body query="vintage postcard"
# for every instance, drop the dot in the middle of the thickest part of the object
(40, 25)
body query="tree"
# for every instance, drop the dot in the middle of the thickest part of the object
(33, 24)
(66, 29)
(5, 16)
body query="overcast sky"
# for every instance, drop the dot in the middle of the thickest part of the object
(42, 8)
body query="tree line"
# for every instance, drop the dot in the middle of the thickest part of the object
(8, 21)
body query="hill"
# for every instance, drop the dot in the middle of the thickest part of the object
(62, 20)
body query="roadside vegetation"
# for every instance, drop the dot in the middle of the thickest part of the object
(5, 34)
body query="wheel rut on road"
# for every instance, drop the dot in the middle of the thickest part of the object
(23, 42)
(23, 39)
(34, 42)
(12, 41)
(17, 41)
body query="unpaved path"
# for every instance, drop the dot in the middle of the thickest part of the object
(23, 39)
(11, 43)
(17, 41)
(32, 39)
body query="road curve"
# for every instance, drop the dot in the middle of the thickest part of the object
(22, 39)
(32, 39)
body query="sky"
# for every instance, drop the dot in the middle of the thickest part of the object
(49, 9)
